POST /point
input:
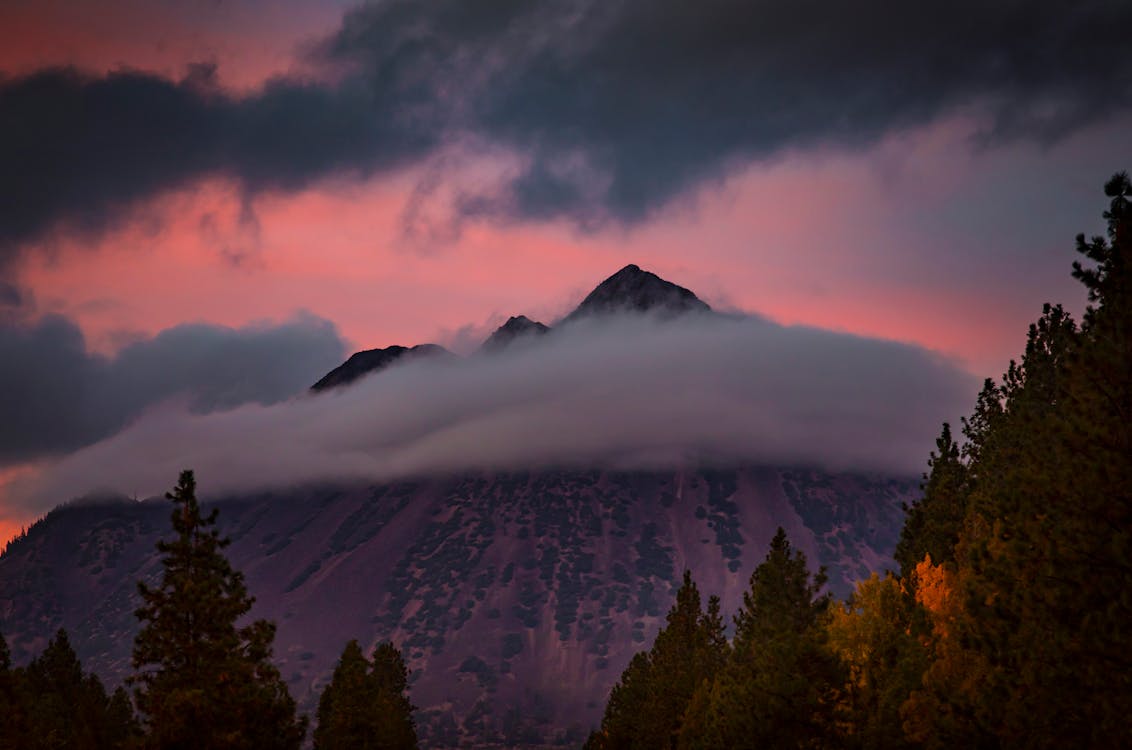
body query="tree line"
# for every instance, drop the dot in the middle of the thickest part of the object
(201, 681)
(1009, 621)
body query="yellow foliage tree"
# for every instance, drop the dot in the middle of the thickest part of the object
(940, 713)
(873, 635)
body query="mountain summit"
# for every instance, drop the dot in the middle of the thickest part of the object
(517, 327)
(635, 291)
(630, 290)
(372, 360)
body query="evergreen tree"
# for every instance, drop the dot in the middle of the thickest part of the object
(647, 707)
(782, 685)
(1045, 548)
(201, 681)
(933, 522)
(627, 701)
(12, 709)
(364, 707)
(63, 707)
(391, 678)
(122, 727)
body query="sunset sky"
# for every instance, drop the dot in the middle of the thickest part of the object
(321, 177)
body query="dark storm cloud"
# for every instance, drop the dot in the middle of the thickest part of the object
(58, 396)
(79, 150)
(613, 108)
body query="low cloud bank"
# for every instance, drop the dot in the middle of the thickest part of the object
(58, 396)
(629, 392)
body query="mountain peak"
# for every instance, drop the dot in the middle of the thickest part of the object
(371, 360)
(516, 327)
(637, 291)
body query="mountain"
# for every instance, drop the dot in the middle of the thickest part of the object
(373, 360)
(630, 290)
(517, 328)
(518, 598)
(635, 291)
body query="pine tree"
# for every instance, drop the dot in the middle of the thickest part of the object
(12, 709)
(781, 686)
(63, 707)
(1035, 652)
(201, 681)
(933, 522)
(122, 727)
(391, 678)
(364, 707)
(647, 707)
(627, 701)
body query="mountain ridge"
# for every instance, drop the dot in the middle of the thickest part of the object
(517, 328)
(630, 290)
(369, 361)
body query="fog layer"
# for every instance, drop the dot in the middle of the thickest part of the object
(631, 393)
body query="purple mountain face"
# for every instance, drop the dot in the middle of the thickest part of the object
(517, 597)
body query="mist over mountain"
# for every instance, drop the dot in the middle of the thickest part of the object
(518, 520)
(629, 291)
(518, 328)
(627, 391)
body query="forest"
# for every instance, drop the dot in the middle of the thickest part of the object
(1005, 625)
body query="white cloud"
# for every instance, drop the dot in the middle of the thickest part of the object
(632, 392)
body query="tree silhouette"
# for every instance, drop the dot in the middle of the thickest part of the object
(201, 681)
(647, 706)
(364, 707)
(782, 684)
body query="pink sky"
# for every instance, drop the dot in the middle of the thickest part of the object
(824, 239)
(754, 244)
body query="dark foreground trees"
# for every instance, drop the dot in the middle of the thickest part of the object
(364, 707)
(647, 706)
(780, 685)
(201, 681)
(1008, 626)
(52, 704)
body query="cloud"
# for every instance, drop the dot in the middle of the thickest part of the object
(79, 151)
(60, 397)
(628, 393)
(612, 109)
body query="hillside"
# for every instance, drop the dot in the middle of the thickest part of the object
(517, 598)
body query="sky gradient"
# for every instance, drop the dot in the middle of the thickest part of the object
(333, 176)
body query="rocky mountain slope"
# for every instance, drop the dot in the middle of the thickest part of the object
(517, 598)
